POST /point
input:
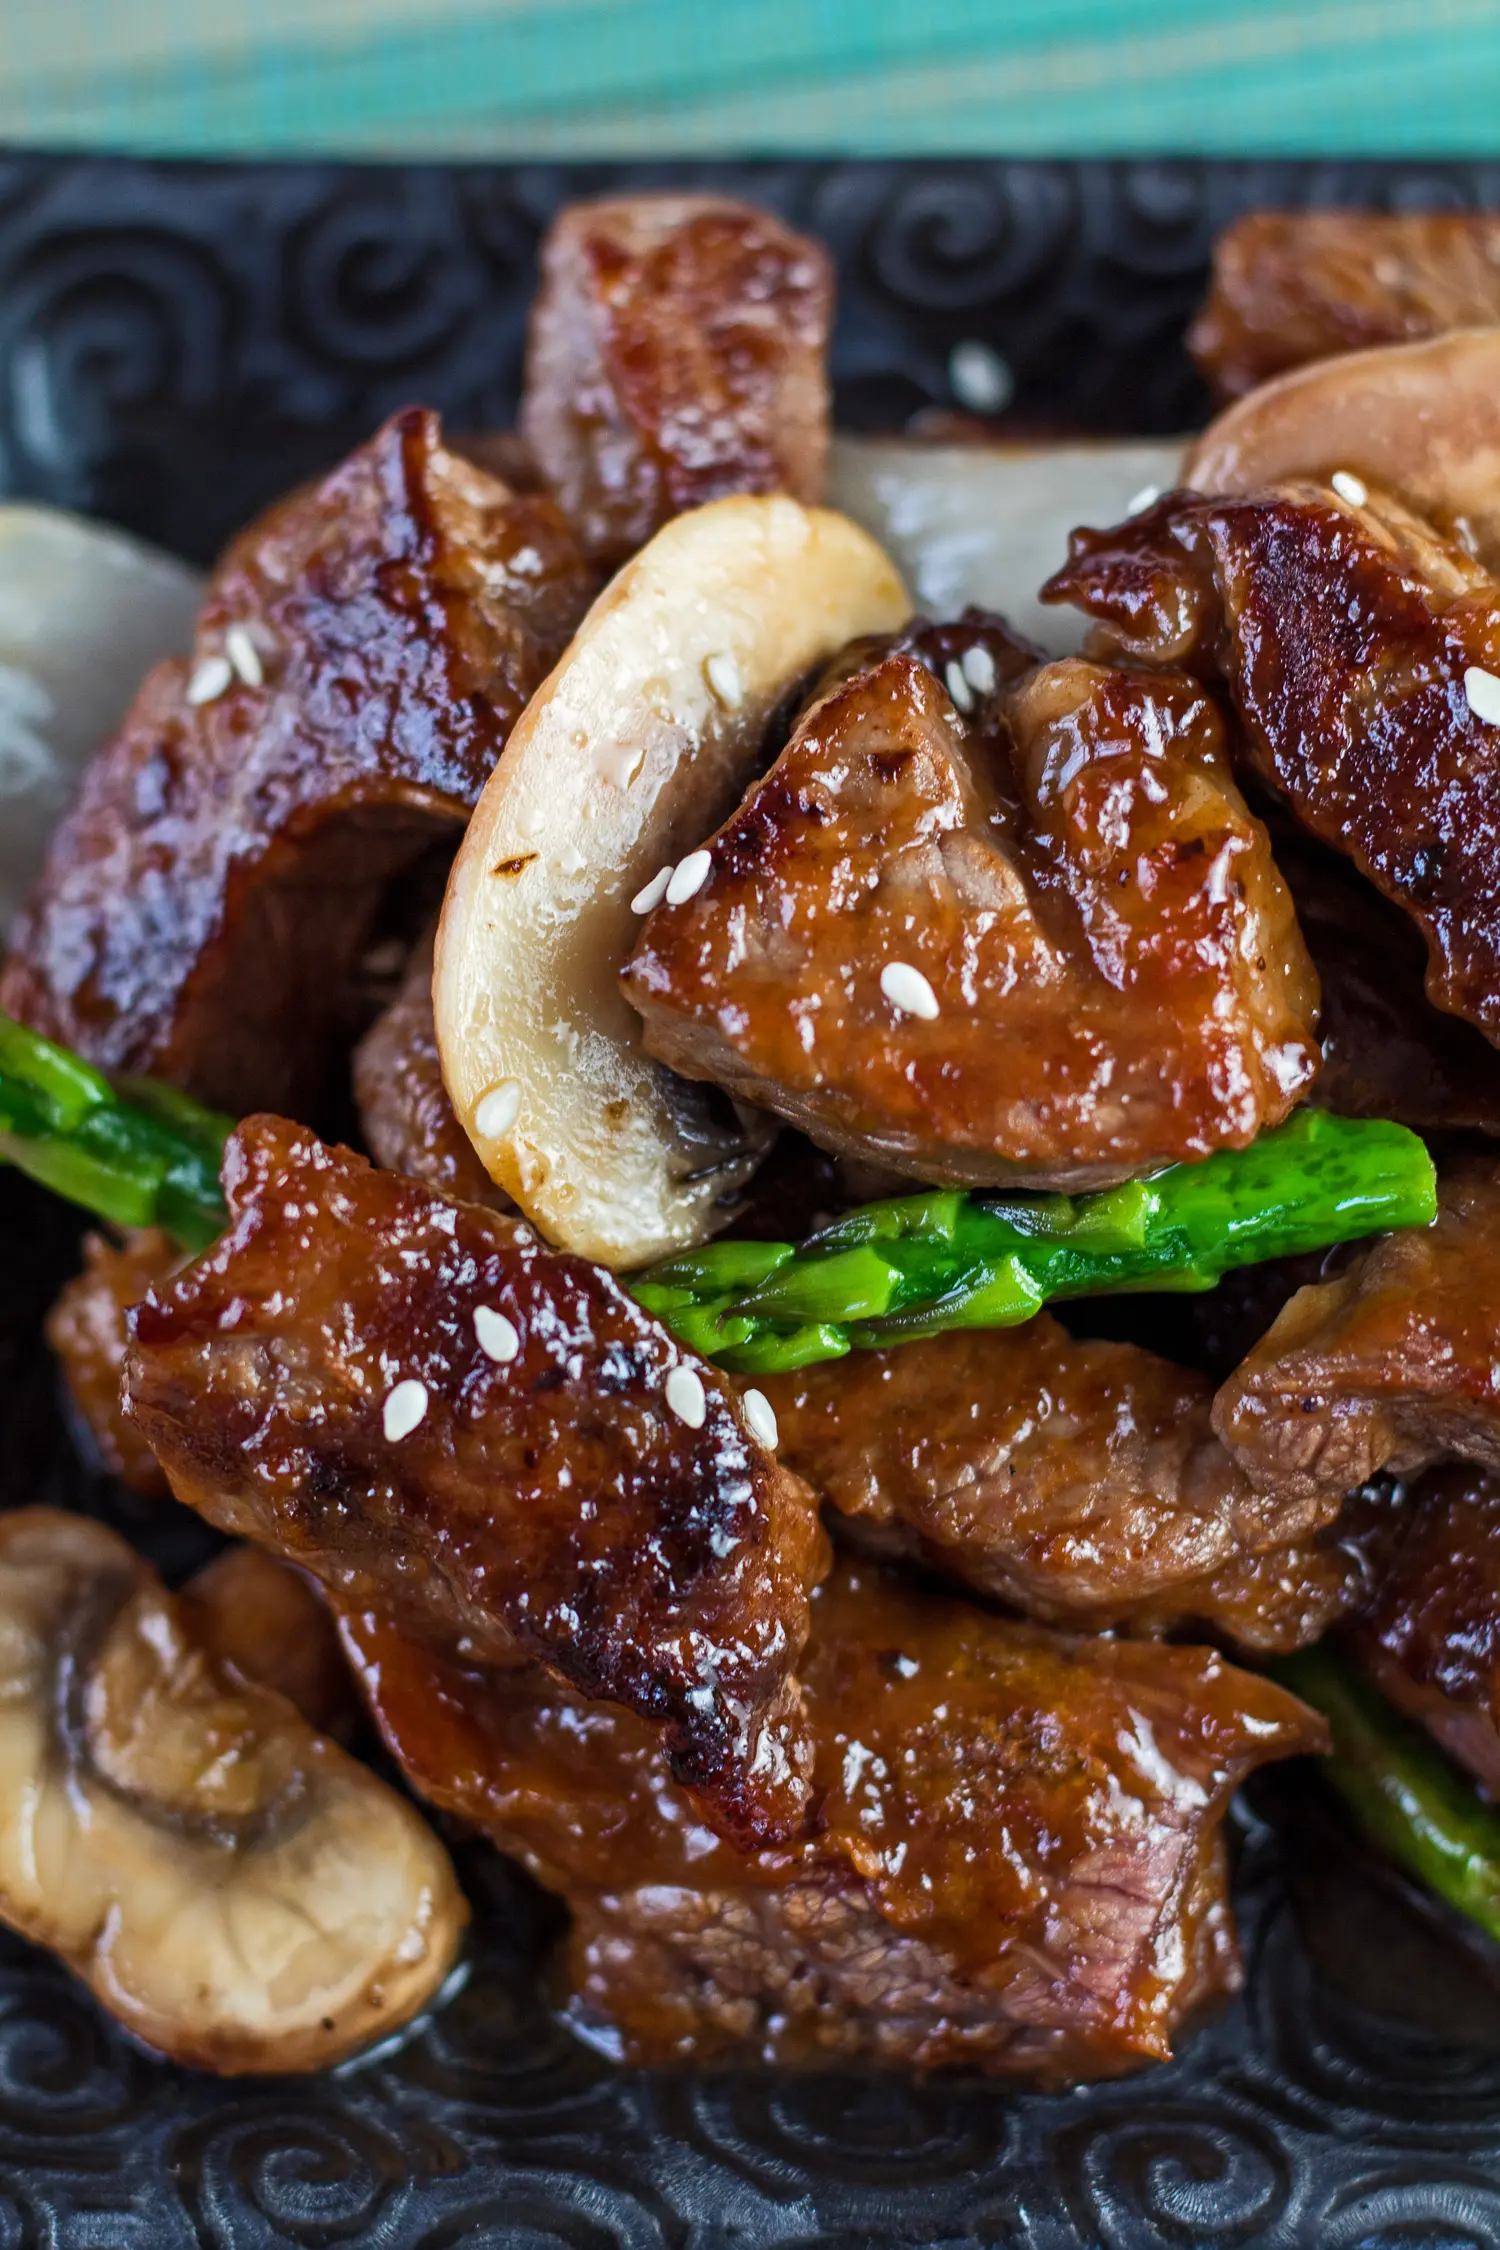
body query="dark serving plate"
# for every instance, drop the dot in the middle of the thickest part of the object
(177, 344)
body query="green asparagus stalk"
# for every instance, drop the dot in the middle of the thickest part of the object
(1419, 1807)
(138, 1154)
(946, 1258)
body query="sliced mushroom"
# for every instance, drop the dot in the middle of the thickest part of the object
(986, 523)
(231, 1886)
(632, 752)
(83, 611)
(1421, 421)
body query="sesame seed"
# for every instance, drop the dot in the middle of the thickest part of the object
(1349, 487)
(979, 669)
(244, 655)
(687, 1397)
(958, 686)
(723, 676)
(526, 562)
(404, 1409)
(688, 878)
(1483, 691)
(499, 1338)
(907, 989)
(498, 1110)
(979, 377)
(760, 1419)
(619, 762)
(651, 894)
(1146, 498)
(209, 679)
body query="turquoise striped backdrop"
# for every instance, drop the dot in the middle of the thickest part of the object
(649, 77)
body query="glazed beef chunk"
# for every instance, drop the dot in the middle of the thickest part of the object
(1352, 639)
(1078, 1482)
(1290, 287)
(88, 1329)
(1017, 1864)
(677, 354)
(1391, 1365)
(993, 926)
(1431, 1636)
(404, 1111)
(360, 659)
(416, 1402)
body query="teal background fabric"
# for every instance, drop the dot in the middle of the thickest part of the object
(540, 78)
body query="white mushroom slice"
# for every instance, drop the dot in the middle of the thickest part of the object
(1420, 421)
(626, 758)
(84, 611)
(233, 1887)
(988, 523)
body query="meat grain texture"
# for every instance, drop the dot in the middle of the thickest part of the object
(361, 656)
(1019, 925)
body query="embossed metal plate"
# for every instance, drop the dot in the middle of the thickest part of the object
(178, 344)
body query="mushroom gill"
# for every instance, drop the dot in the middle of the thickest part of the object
(235, 1889)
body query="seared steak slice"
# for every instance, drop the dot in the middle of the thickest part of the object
(361, 657)
(1038, 936)
(1017, 1864)
(677, 354)
(421, 1405)
(1080, 1483)
(1431, 1635)
(1393, 1364)
(1355, 644)
(1290, 287)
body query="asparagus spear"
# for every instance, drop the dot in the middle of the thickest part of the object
(139, 1154)
(1411, 1799)
(948, 1259)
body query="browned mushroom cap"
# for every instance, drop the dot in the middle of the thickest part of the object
(231, 1886)
(1418, 420)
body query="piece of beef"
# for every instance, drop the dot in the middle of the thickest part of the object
(404, 1110)
(1430, 1636)
(677, 353)
(1016, 1865)
(1393, 1364)
(88, 1329)
(414, 1400)
(1019, 928)
(1290, 287)
(1349, 637)
(1387, 1051)
(1078, 1482)
(362, 654)
(271, 1625)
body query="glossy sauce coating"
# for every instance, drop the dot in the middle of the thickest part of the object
(1080, 1483)
(1113, 974)
(554, 1504)
(1014, 1861)
(88, 1329)
(1431, 1635)
(1344, 634)
(1290, 287)
(676, 354)
(206, 904)
(1393, 1364)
